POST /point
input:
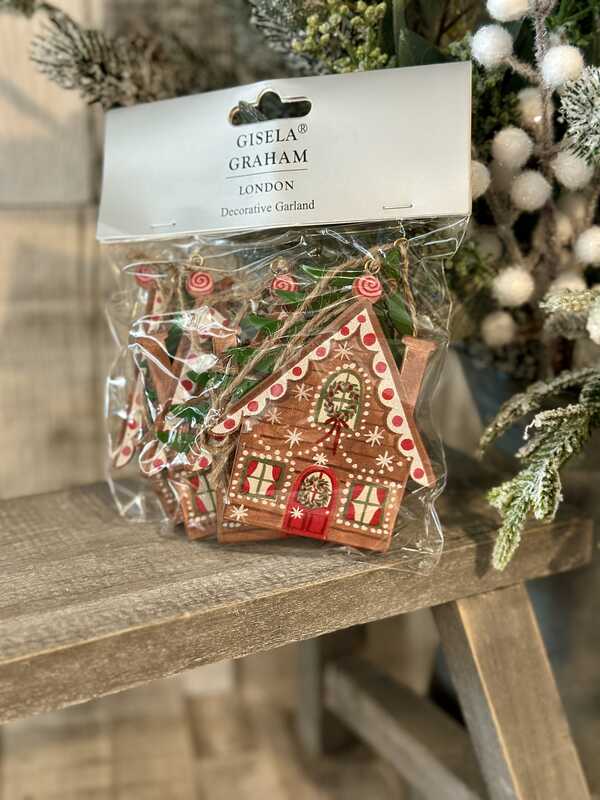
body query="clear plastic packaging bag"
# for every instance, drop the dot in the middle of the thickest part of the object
(276, 384)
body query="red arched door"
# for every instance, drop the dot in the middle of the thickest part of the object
(312, 503)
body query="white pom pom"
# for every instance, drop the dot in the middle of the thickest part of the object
(572, 171)
(507, 10)
(568, 280)
(561, 64)
(587, 246)
(564, 227)
(489, 244)
(530, 190)
(531, 109)
(480, 179)
(513, 286)
(512, 147)
(498, 329)
(593, 322)
(491, 45)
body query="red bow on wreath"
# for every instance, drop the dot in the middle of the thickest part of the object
(336, 423)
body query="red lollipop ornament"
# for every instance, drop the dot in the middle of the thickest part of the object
(368, 287)
(200, 284)
(284, 283)
(145, 276)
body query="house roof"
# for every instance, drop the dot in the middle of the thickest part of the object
(360, 318)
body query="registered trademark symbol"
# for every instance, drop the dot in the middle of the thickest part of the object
(303, 127)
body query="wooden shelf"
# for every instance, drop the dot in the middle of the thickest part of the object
(90, 604)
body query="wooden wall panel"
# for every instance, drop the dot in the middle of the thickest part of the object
(51, 360)
(44, 135)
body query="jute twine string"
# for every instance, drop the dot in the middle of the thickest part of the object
(371, 264)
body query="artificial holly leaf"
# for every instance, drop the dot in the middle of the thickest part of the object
(199, 378)
(265, 324)
(399, 314)
(195, 414)
(173, 339)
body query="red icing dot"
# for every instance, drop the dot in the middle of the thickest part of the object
(158, 462)
(321, 351)
(380, 367)
(397, 420)
(369, 339)
(276, 390)
(418, 473)
(387, 394)
(407, 444)
(297, 371)
(252, 405)
(187, 385)
(203, 463)
(195, 481)
(362, 318)
(132, 424)
(126, 451)
(344, 330)
(229, 424)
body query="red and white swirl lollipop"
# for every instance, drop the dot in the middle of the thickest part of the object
(145, 276)
(200, 284)
(368, 287)
(284, 283)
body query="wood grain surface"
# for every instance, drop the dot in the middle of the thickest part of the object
(425, 745)
(509, 697)
(90, 605)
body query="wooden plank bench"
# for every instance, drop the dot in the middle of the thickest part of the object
(90, 605)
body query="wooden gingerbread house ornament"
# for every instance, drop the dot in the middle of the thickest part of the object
(328, 443)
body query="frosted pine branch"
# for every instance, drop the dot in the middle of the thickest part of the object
(118, 71)
(580, 104)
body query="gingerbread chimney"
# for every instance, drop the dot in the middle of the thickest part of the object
(416, 356)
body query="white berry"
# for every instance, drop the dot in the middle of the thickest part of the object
(491, 45)
(531, 108)
(587, 246)
(498, 329)
(488, 243)
(480, 179)
(507, 10)
(570, 170)
(568, 280)
(513, 286)
(512, 147)
(530, 191)
(561, 64)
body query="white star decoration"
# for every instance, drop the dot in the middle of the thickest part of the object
(320, 459)
(385, 461)
(239, 513)
(272, 416)
(344, 351)
(374, 437)
(303, 392)
(293, 437)
(296, 512)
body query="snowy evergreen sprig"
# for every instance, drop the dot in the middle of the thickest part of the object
(552, 439)
(25, 7)
(118, 71)
(580, 104)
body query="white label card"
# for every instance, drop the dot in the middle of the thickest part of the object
(383, 145)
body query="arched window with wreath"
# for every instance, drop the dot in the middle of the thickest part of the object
(341, 399)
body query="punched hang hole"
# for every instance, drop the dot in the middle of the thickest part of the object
(269, 106)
